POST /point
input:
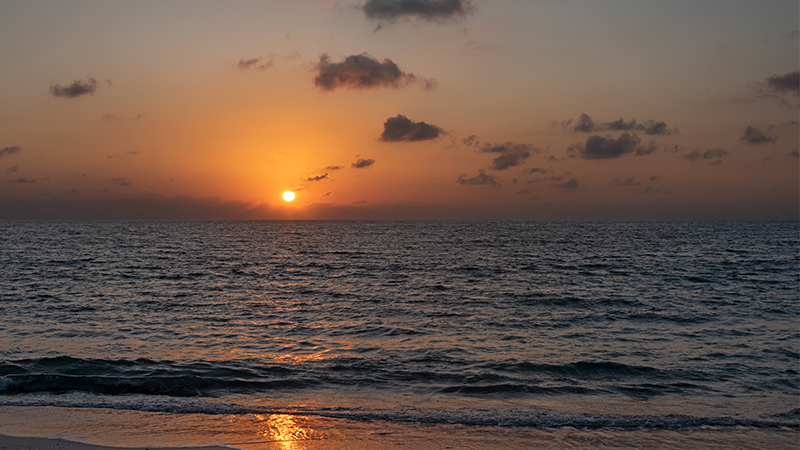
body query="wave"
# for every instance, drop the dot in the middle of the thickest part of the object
(503, 417)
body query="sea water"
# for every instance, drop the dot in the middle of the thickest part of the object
(511, 325)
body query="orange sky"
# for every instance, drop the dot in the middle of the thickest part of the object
(467, 109)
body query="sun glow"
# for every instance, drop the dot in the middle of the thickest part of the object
(288, 196)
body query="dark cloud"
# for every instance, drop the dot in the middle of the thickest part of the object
(625, 182)
(753, 135)
(23, 180)
(470, 140)
(121, 181)
(784, 89)
(585, 124)
(571, 184)
(510, 154)
(481, 178)
(437, 10)
(708, 154)
(597, 147)
(10, 150)
(315, 177)
(363, 72)
(11, 169)
(76, 89)
(795, 154)
(334, 167)
(362, 163)
(786, 82)
(400, 128)
(254, 63)
(327, 194)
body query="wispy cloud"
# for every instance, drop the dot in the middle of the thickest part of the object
(334, 167)
(23, 180)
(315, 177)
(254, 63)
(481, 178)
(121, 181)
(363, 72)
(402, 129)
(625, 182)
(7, 151)
(11, 169)
(76, 89)
(715, 154)
(572, 184)
(363, 163)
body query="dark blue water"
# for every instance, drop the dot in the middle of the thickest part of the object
(596, 324)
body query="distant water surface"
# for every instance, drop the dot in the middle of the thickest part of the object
(526, 324)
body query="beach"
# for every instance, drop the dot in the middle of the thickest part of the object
(49, 428)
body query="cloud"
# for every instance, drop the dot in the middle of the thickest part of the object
(10, 150)
(626, 182)
(795, 154)
(253, 63)
(362, 163)
(363, 72)
(708, 154)
(23, 180)
(753, 135)
(511, 154)
(334, 167)
(327, 194)
(571, 184)
(535, 170)
(436, 10)
(784, 89)
(786, 82)
(118, 155)
(481, 178)
(402, 129)
(121, 181)
(585, 124)
(76, 89)
(315, 177)
(597, 147)
(470, 140)
(11, 169)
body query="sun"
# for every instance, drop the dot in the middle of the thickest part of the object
(288, 196)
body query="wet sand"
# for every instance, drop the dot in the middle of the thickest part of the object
(55, 428)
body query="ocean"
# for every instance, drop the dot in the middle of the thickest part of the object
(514, 329)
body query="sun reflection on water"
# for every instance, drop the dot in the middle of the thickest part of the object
(286, 430)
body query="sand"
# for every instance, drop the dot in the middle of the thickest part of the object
(33, 443)
(56, 428)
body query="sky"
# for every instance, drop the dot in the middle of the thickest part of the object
(399, 109)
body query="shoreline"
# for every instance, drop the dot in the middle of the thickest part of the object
(8, 442)
(60, 428)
